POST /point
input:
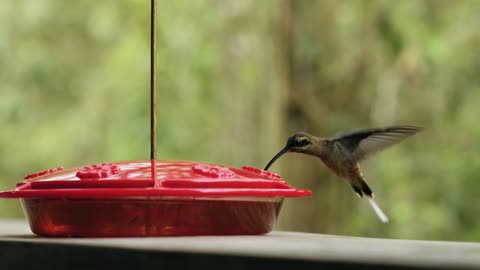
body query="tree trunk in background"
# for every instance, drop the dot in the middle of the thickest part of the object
(296, 169)
(312, 92)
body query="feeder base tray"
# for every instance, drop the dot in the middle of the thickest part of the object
(152, 217)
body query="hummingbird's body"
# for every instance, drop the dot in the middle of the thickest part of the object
(342, 152)
(340, 161)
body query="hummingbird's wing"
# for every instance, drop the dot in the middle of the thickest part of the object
(362, 143)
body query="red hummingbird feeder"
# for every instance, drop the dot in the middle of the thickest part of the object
(152, 197)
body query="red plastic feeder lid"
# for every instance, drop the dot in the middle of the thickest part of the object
(169, 178)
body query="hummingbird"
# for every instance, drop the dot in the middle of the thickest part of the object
(342, 153)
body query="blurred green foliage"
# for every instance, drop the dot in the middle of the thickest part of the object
(236, 78)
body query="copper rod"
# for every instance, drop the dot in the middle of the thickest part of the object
(153, 81)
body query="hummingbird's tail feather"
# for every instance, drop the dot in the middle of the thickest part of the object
(366, 189)
(358, 191)
(377, 210)
(363, 188)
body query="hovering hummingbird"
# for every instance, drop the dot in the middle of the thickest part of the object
(342, 152)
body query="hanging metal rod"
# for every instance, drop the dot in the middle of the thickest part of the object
(153, 80)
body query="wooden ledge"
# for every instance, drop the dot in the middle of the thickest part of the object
(20, 249)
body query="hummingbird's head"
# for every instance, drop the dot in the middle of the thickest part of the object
(300, 142)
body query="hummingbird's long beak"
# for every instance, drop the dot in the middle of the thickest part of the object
(283, 151)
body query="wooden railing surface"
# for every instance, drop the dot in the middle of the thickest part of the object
(20, 249)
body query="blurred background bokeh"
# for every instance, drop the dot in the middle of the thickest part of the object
(236, 78)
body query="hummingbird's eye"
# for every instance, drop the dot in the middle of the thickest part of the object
(301, 142)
